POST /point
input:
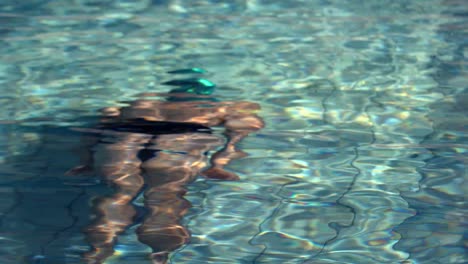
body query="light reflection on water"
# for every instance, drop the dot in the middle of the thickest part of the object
(362, 159)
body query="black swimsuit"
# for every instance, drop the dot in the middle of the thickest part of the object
(153, 128)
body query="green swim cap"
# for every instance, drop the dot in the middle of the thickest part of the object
(194, 86)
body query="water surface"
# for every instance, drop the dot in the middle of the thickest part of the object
(362, 159)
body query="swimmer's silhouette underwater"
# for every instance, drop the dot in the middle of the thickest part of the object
(157, 147)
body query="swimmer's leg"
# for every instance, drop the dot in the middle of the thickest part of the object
(117, 163)
(180, 160)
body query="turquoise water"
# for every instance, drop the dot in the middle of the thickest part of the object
(362, 159)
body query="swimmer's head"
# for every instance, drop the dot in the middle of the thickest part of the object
(191, 90)
(199, 87)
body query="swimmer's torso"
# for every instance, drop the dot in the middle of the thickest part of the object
(204, 113)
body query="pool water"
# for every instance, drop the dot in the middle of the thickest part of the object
(362, 159)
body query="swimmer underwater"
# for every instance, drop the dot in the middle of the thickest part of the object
(157, 147)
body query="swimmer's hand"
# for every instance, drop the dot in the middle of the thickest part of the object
(82, 169)
(218, 173)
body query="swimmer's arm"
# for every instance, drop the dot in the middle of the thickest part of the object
(86, 155)
(237, 127)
